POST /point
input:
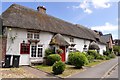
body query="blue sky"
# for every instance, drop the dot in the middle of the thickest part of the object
(102, 16)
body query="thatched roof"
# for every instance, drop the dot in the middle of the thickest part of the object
(22, 17)
(58, 39)
(94, 46)
(107, 37)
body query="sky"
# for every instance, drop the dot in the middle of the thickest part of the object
(101, 15)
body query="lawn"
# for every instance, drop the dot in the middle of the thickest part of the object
(68, 70)
(94, 63)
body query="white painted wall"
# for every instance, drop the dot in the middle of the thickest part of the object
(102, 48)
(13, 48)
(79, 44)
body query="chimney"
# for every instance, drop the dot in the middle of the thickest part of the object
(41, 9)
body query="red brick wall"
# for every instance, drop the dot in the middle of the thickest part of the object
(4, 42)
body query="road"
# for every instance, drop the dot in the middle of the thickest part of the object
(97, 71)
(113, 73)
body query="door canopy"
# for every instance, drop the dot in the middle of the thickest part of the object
(59, 40)
(94, 46)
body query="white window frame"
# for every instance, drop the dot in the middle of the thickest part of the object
(33, 35)
(36, 50)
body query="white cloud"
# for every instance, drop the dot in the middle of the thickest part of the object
(87, 4)
(106, 27)
(87, 10)
(101, 3)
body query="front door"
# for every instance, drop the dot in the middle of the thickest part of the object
(63, 54)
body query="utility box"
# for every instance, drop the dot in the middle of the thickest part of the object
(15, 62)
(7, 61)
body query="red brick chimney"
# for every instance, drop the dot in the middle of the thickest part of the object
(41, 9)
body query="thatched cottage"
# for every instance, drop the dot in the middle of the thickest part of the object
(29, 33)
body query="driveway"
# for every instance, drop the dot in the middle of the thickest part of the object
(97, 71)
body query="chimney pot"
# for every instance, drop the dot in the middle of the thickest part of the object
(41, 9)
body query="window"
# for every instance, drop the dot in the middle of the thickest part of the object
(25, 48)
(71, 49)
(36, 50)
(36, 35)
(71, 39)
(31, 35)
(40, 50)
(33, 50)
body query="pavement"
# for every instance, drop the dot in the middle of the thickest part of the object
(38, 73)
(98, 71)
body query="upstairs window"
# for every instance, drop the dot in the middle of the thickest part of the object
(36, 35)
(71, 39)
(31, 35)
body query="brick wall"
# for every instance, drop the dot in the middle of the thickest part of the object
(3, 41)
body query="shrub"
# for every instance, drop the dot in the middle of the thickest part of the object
(106, 57)
(58, 67)
(112, 55)
(77, 59)
(100, 57)
(70, 57)
(93, 53)
(59, 51)
(52, 58)
(106, 53)
(90, 58)
(48, 52)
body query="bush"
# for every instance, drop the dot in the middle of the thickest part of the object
(93, 53)
(100, 57)
(106, 57)
(58, 67)
(106, 52)
(52, 58)
(48, 52)
(112, 55)
(77, 59)
(59, 51)
(90, 58)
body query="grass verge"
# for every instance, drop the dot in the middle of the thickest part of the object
(68, 70)
(94, 63)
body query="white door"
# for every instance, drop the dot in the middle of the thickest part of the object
(24, 59)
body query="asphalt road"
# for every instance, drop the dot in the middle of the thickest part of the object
(97, 71)
(114, 73)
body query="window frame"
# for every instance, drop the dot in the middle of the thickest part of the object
(71, 39)
(25, 46)
(37, 47)
(35, 35)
